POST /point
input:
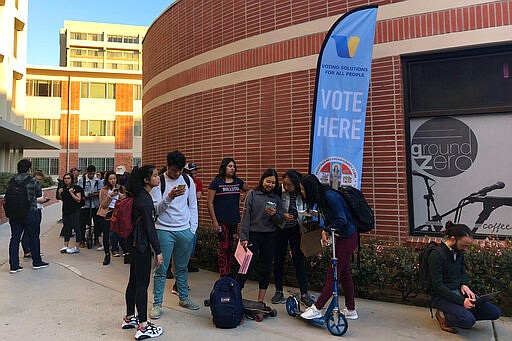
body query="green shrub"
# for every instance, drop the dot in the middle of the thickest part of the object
(389, 271)
(5, 177)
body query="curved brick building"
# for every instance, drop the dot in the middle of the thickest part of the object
(236, 78)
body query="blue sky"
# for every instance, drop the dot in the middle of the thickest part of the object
(46, 17)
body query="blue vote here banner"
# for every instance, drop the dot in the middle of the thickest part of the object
(341, 93)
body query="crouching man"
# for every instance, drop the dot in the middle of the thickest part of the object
(455, 302)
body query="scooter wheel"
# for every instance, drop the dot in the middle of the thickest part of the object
(337, 324)
(272, 313)
(292, 306)
(258, 317)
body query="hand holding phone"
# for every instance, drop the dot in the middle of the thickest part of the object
(181, 187)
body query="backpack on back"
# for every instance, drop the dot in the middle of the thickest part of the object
(226, 303)
(361, 211)
(121, 220)
(17, 202)
(424, 279)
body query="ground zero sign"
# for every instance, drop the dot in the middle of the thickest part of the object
(444, 147)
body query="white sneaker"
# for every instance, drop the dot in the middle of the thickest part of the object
(63, 249)
(72, 250)
(311, 313)
(149, 332)
(350, 314)
(101, 248)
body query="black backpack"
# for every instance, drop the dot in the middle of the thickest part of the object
(361, 211)
(424, 279)
(17, 202)
(226, 303)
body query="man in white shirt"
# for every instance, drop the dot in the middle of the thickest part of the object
(176, 209)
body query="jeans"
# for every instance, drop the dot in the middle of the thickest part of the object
(344, 249)
(179, 245)
(460, 317)
(262, 245)
(30, 226)
(25, 243)
(291, 235)
(137, 290)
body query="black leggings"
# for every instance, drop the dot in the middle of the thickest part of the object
(292, 235)
(262, 245)
(137, 289)
(105, 228)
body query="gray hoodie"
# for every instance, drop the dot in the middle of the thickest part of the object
(254, 216)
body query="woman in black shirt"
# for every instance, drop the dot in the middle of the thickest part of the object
(71, 196)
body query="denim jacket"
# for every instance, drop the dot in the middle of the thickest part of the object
(301, 206)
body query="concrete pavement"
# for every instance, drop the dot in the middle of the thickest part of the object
(77, 298)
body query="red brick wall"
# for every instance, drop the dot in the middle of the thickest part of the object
(124, 159)
(124, 97)
(124, 132)
(266, 122)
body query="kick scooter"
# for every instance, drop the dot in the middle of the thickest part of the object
(333, 318)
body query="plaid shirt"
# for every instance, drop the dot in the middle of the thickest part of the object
(33, 189)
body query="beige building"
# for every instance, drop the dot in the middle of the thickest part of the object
(13, 58)
(101, 46)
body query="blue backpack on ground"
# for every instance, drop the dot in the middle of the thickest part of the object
(226, 303)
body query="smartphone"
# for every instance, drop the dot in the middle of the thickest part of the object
(271, 204)
(181, 187)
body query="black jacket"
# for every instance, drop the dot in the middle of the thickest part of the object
(143, 214)
(447, 274)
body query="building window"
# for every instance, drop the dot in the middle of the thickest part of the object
(78, 36)
(131, 40)
(98, 90)
(43, 127)
(49, 166)
(137, 92)
(101, 163)
(95, 36)
(86, 52)
(43, 88)
(136, 162)
(137, 128)
(114, 38)
(97, 128)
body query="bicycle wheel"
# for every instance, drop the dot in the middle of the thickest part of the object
(337, 325)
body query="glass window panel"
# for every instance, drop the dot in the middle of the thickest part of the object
(82, 164)
(56, 85)
(137, 128)
(136, 161)
(98, 90)
(42, 164)
(97, 128)
(41, 127)
(109, 163)
(55, 131)
(54, 166)
(137, 92)
(111, 128)
(111, 91)
(84, 128)
(27, 124)
(84, 91)
(43, 88)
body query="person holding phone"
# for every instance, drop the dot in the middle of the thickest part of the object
(176, 224)
(109, 194)
(71, 196)
(144, 238)
(262, 216)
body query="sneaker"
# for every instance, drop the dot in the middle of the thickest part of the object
(18, 269)
(40, 265)
(350, 314)
(132, 322)
(311, 313)
(187, 303)
(101, 248)
(27, 255)
(307, 300)
(72, 250)
(278, 298)
(63, 249)
(174, 289)
(116, 254)
(156, 312)
(148, 332)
